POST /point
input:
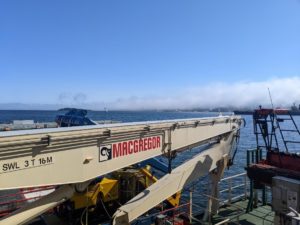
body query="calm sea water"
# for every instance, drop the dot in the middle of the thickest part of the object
(124, 116)
(247, 138)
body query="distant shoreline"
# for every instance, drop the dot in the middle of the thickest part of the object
(120, 110)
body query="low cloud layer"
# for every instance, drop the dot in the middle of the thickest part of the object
(284, 91)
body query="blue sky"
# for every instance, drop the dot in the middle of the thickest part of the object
(123, 52)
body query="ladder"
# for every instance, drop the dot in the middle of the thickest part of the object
(268, 123)
(285, 132)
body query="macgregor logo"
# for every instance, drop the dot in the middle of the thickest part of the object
(120, 149)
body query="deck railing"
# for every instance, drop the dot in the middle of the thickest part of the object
(243, 193)
(230, 193)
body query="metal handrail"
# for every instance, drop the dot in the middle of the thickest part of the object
(226, 220)
(233, 176)
(229, 180)
(230, 197)
(230, 188)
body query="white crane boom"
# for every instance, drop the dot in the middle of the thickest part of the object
(73, 156)
(78, 154)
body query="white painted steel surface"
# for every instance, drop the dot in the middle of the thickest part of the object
(72, 155)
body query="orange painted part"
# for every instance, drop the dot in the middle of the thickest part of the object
(265, 112)
(276, 164)
(14, 201)
(263, 173)
(283, 160)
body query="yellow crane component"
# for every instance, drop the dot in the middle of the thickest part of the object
(173, 200)
(107, 189)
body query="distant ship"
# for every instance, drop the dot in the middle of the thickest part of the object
(294, 110)
(243, 112)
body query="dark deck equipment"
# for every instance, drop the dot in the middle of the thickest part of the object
(275, 131)
(74, 117)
